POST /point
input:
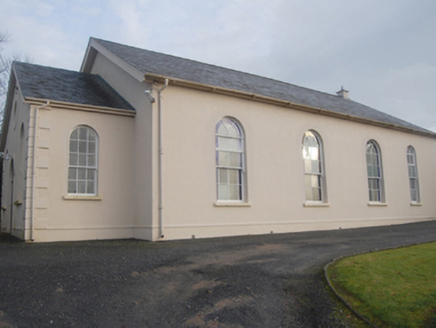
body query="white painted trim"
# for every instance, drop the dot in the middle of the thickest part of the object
(129, 69)
(316, 204)
(81, 197)
(230, 204)
(377, 204)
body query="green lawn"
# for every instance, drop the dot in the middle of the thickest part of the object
(394, 288)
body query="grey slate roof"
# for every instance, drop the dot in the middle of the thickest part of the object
(67, 86)
(175, 67)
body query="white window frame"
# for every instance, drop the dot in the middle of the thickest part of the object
(85, 168)
(241, 172)
(412, 166)
(378, 169)
(309, 173)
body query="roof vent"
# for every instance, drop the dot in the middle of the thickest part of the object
(343, 93)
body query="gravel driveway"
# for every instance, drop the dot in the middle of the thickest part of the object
(253, 281)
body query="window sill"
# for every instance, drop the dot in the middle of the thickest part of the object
(81, 197)
(316, 204)
(415, 204)
(231, 204)
(377, 204)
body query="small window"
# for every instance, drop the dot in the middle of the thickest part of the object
(82, 171)
(375, 172)
(230, 170)
(313, 167)
(413, 175)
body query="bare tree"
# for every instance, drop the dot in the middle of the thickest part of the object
(4, 71)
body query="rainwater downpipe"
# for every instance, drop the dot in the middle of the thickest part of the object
(35, 128)
(160, 158)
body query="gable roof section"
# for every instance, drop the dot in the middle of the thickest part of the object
(167, 66)
(47, 83)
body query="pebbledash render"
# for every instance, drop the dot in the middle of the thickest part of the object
(144, 145)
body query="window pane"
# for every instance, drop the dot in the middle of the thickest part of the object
(222, 143)
(83, 133)
(91, 160)
(82, 174)
(316, 167)
(90, 187)
(73, 146)
(91, 175)
(307, 166)
(232, 130)
(234, 144)
(81, 187)
(91, 148)
(72, 174)
(412, 171)
(234, 192)
(223, 192)
(234, 176)
(316, 194)
(91, 135)
(73, 159)
(373, 171)
(412, 184)
(72, 187)
(413, 195)
(313, 187)
(374, 190)
(75, 134)
(82, 160)
(82, 147)
(221, 130)
(223, 158)
(223, 176)
(235, 159)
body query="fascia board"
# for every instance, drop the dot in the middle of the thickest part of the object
(90, 57)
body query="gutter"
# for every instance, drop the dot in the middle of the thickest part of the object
(283, 103)
(81, 107)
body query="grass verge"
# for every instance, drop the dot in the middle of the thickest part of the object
(393, 288)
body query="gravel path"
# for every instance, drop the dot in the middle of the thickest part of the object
(254, 281)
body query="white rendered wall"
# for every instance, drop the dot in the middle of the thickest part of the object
(144, 128)
(111, 215)
(275, 182)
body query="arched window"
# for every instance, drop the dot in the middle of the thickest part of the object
(230, 171)
(82, 171)
(375, 172)
(313, 167)
(413, 175)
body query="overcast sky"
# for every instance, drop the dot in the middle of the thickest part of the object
(382, 51)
